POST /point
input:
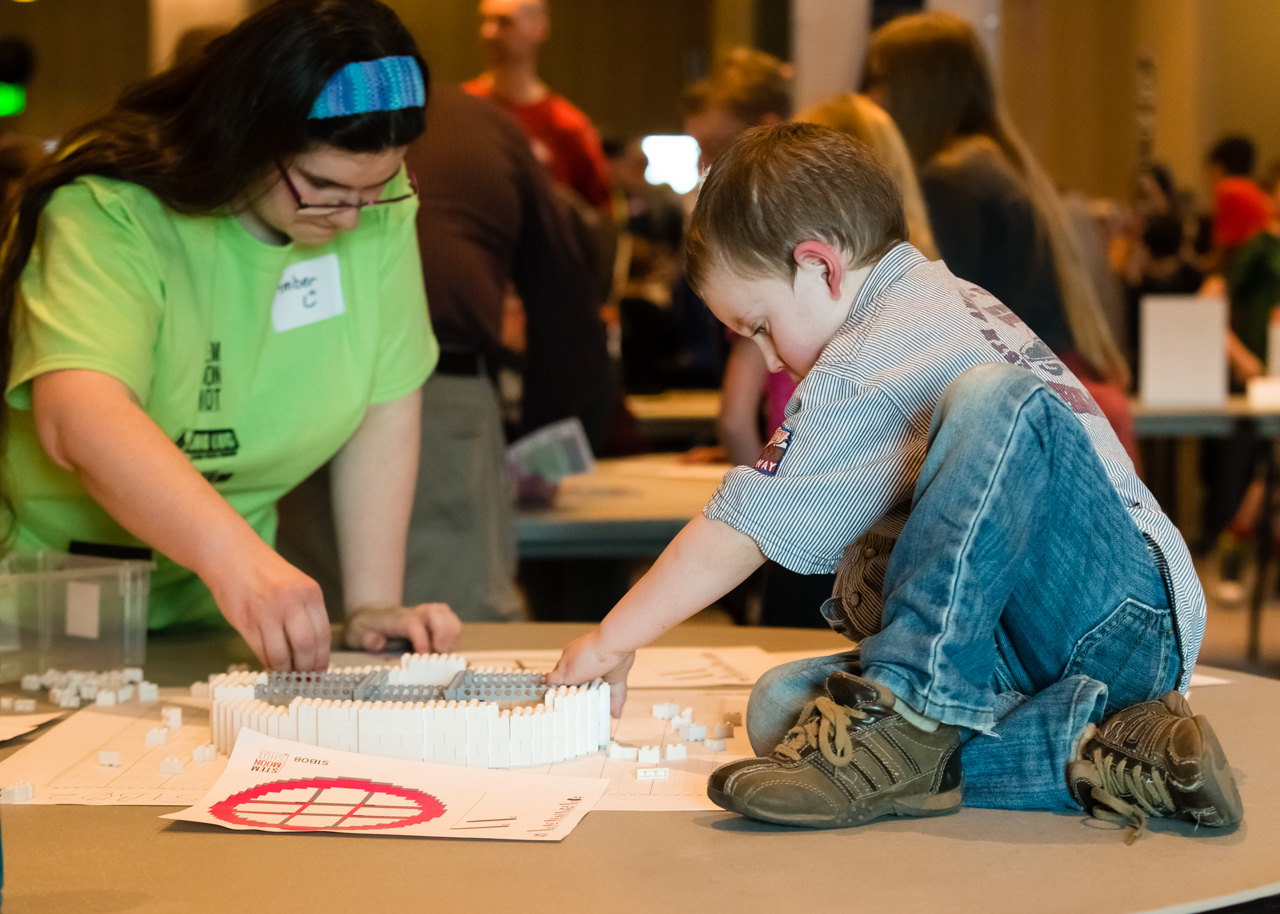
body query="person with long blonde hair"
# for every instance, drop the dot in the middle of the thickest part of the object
(997, 219)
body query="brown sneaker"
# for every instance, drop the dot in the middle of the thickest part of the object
(849, 759)
(1155, 759)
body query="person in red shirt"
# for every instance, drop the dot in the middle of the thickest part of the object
(1241, 209)
(563, 138)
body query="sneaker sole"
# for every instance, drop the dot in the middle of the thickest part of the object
(912, 806)
(1219, 786)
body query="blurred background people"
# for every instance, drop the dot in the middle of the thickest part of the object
(997, 219)
(563, 138)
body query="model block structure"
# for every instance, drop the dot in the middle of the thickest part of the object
(430, 707)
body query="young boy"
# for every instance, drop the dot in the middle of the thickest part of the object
(1027, 613)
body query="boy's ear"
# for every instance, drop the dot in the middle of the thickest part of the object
(816, 255)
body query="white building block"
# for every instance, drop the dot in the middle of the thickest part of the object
(156, 736)
(204, 753)
(148, 692)
(626, 753)
(200, 689)
(124, 693)
(716, 745)
(722, 731)
(171, 765)
(6, 703)
(31, 683)
(171, 717)
(17, 792)
(68, 698)
(697, 733)
(676, 752)
(24, 705)
(106, 697)
(665, 710)
(648, 755)
(132, 674)
(108, 759)
(652, 774)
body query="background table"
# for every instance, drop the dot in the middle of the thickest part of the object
(79, 858)
(627, 507)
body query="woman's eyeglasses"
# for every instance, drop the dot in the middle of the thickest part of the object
(331, 209)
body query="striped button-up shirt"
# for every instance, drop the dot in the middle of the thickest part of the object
(839, 475)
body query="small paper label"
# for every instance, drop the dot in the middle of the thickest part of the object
(82, 609)
(309, 292)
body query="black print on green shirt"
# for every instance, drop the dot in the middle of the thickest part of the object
(202, 444)
(211, 380)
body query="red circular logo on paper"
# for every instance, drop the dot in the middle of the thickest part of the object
(329, 804)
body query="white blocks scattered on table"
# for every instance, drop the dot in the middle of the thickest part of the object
(24, 705)
(108, 758)
(171, 717)
(106, 698)
(648, 755)
(652, 774)
(156, 736)
(31, 683)
(716, 745)
(676, 752)
(124, 693)
(694, 733)
(148, 692)
(171, 765)
(132, 674)
(17, 792)
(204, 753)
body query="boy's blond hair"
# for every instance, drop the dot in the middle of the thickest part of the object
(778, 186)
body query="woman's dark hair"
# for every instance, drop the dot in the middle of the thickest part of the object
(933, 72)
(206, 132)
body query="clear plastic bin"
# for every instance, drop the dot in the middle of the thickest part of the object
(71, 612)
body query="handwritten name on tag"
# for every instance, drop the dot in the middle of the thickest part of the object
(308, 292)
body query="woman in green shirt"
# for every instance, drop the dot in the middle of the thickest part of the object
(208, 293)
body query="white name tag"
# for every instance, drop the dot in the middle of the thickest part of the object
(309, 291)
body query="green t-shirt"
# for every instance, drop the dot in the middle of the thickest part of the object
(257, 360)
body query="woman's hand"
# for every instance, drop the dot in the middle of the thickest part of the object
(429, 627)
(585, 660)
(277, 609)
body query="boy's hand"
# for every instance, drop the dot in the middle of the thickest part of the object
(584, 660)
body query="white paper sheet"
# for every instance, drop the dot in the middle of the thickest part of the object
(281, 786)
(656, 667)
(62, 765)
(15, 725)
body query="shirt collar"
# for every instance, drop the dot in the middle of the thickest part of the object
(891, 267)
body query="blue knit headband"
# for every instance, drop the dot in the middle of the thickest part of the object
(385, 84)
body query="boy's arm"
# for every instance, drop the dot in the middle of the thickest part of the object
(704, 562)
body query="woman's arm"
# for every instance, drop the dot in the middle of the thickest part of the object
(91, 424)
(373, 478)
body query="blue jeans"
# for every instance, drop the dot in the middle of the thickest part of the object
(1021, 601)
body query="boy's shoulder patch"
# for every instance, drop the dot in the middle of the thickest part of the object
(774, 451)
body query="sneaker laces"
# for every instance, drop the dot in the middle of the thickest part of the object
(828, 730)
(1122, 777)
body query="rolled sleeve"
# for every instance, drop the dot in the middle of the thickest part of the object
(853, 455)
